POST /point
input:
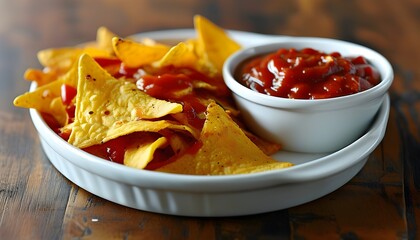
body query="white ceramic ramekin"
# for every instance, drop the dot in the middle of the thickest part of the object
(311, 126)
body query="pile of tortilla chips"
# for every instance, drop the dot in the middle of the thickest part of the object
(149, 105)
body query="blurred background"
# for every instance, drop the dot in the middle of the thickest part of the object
(28, 25)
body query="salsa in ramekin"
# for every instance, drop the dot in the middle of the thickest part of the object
(307, 74)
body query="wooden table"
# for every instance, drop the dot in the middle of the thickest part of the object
(381, 202)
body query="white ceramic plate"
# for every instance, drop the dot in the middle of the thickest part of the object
(313, 176)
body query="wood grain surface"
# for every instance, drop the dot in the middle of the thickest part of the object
(381, 202)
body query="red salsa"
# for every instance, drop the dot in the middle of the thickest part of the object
(307, 74)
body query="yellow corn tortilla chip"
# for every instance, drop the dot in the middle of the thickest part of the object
(267, 147)
(39, 76)
(96, 52)
(181, 55)
(40, 98)
(58, 111)
(107, 107)
(225, 150)
(140, 153)
(214, 42)
(201, 63)
(64, 58)
(121, 128)
(185, 54)
(71, 76)
(104, 38)
(178, 142)
(135, 54)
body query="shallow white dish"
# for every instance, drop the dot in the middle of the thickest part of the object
(314, 175)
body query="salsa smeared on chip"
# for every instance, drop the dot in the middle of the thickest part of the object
(149, 105)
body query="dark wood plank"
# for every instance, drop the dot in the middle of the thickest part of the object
(32, 193)
(365, 208)
(88, 216)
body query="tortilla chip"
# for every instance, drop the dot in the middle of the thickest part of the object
(269, 148)
(104, 39)
(121, 128)
(178, 141)
(141, 152)
(107, 107)
(64, 58)
(135, 54)
(71, 77)
(202, 63)
(39, 76)
(181, 55)
(58, 111)
(216, 45)
(225, 150)
(96, 52)
(40, 98)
